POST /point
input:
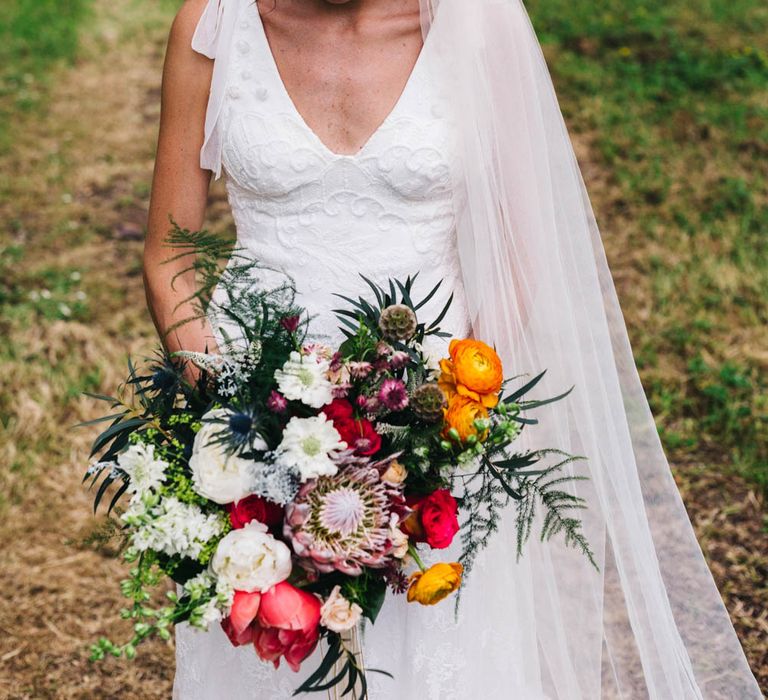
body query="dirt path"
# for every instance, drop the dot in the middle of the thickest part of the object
(76, 190)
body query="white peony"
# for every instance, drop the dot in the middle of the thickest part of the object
(338, 614)
(308, 445)
(250, 559)
(145, 471)
(305, 378)
(222, 477)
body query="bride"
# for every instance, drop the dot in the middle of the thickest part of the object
(387, 137)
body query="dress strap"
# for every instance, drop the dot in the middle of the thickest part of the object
(213, 38)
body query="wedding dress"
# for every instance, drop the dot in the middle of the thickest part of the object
(420, 196)
(324, 219)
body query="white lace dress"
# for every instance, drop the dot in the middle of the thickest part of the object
(323, 218)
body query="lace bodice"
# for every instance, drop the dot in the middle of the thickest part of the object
(323, 217)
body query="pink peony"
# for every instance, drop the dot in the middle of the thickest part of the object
(282, 622)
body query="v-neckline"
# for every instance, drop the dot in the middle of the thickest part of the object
(284, 89)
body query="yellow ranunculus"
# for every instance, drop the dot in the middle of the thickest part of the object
(438, 582)
(461, 415)
(474, 370)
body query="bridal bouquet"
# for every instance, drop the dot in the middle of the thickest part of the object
(291, 484)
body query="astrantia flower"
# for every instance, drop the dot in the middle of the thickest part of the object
(360, 370)
(217, 475)
(250, 559)
(145, 471)
(308, 445)
(393, 395)
(305, 378)
(399, 359)
(342, 522)
(277, 402)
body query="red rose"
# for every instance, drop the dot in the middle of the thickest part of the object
(283, 622)
(358, 433)
(255, 508)
(339, 410)
(434, 519)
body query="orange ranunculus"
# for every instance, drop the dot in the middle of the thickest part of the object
(473, 370)
(461, 415)
(438, 582)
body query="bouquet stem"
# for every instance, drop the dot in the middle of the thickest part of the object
(353, 642)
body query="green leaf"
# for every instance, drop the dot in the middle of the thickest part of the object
(377, 590)
(525, 388)
(527, 405)
(113, 431)
(103, 419)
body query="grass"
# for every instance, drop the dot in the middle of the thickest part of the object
(671, 98)
(35, 35)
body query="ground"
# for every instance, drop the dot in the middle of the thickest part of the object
(73, 197)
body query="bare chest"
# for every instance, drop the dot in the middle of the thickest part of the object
(344, 81)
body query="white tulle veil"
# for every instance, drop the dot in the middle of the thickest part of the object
(651, 623)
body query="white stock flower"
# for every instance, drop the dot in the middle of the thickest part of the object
(307, 445)
(145, 471)
(338, 614)
(250, 559)
(305, 378)
(222, 477)
(171, 527)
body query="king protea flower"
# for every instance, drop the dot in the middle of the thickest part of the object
(342, 522)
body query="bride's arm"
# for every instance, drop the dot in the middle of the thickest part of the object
(180, 185)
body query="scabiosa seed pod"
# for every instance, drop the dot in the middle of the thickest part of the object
(428, 402)
(398, 322)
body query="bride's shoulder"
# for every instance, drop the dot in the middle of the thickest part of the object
(187, 73)
(184, 25)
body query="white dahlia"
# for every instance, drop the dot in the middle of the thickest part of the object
(309, 445)
(305, 378)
